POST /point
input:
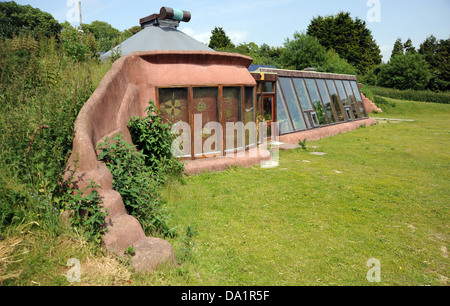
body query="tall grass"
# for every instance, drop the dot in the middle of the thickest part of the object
(41, 92)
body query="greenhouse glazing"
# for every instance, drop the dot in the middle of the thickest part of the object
(304, 100)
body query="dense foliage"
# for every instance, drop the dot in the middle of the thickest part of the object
(436, 53)
(42, 89)
(408, 71)
(408, 95)
(154, 138)
(349, 37)
(305, 51)
(139, 172)
(408, 68)
(219, 39)
(17, 19)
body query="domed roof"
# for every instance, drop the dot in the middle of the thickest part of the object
(160, 33)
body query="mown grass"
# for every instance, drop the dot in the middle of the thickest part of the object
(380, 192)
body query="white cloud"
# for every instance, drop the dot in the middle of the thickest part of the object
(238, 37)
(202, 37)
(386, 52)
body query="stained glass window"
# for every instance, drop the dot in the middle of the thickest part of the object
(232, 110)
(173, 104)
(206, 107)
(250, 133)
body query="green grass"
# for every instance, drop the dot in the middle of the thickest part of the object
(307, 224)
(380, 192)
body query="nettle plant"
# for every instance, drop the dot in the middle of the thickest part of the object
(85, 209)
(140, 171)
(154, 139)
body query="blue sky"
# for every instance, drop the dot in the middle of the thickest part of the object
(271, 21)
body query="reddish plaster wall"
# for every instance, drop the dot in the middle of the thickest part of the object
(125, 92)
(326, 131)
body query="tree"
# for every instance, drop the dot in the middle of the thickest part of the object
(130, 32)
(107, 36)
(398, 48)
(408, 46)
(18, 19)
(407, 71)
(77, 45)
(302, 52)
(335, 64)
(349, 38)
(436, 53)
(219, 39)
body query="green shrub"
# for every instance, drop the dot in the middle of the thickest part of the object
(137, 184)
(380, 101)
(85, 212)
(409, 94)
(41, 93)
(406, 71)
(154, 139)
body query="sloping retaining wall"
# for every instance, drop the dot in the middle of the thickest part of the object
(125, 91)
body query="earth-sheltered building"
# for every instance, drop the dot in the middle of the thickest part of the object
(219, 104)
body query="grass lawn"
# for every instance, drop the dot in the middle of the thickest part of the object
(380, 192)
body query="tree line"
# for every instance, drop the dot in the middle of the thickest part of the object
(336, 44)
(341, 44)
(81, 44)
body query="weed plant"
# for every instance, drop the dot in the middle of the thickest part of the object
(138, 184)
(42, 89)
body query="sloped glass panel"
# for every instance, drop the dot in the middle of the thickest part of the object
(282, 115)
(335, 100)
(326, 100)
(292, 104)
(351, 98)
(341, 91)
(316, 101)
(303, 94)
(358, 97)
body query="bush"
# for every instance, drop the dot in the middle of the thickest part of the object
(335, 64)
(140, 171)
(302, 52)
(380, 101)
(137, 184)
(85, 211)
(405, 71)
(154, 139)
(41, 93)
(409, 95)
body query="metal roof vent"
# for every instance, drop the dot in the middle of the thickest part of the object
(167, 17)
